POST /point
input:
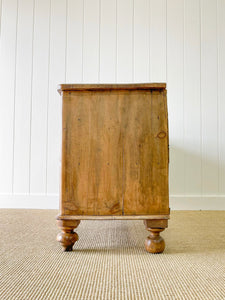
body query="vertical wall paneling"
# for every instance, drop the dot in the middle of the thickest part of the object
(91, 41)
(175, 82)
(192, 101)
(23, 91)
(125, 40)
(158, 40)
(39, 96)
(0, 15)
(141, 41)
(74, 41)
(221, 92)
(107, 41)
(56, 76)
(209, 97)
(47, 42)
(7, 85)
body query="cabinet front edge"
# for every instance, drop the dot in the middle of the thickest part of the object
(115, 217)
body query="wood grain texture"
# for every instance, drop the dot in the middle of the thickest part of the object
(114, 158)
(154, 242)
(145, 153)
(115, 152)
(180, 42)
(114, 217)
(67, 237)
(121, 86)
(92, 154)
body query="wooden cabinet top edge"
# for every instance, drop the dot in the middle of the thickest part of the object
(121, 86)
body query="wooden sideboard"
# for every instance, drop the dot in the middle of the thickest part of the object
(114, 157)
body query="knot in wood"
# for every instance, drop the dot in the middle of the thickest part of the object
(161, 135)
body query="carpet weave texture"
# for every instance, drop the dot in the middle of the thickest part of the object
(109, 261)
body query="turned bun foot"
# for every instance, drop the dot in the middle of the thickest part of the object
(67, 237)
(154, 243)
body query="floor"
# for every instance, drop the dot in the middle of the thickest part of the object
(109, 260)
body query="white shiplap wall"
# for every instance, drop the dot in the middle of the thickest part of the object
(47, 42)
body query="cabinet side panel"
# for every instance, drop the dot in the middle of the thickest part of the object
(92, 154)
(145, 132)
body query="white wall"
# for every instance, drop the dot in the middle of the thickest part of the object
(47, 42)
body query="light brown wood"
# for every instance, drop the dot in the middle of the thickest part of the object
(114, 217)
(145, 153)
(114, 153)
(92, 154)
(154, 243)
(123, 86)
(67, 237)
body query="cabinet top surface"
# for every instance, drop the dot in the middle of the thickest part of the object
(121, 86)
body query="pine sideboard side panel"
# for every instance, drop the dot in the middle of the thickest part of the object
(145, 153)
(114, 158)
(91, 154)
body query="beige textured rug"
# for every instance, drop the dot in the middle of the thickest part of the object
(109, 260)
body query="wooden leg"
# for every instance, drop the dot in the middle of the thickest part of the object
(154, 242)
(67, 237)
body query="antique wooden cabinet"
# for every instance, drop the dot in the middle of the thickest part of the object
(114, 157)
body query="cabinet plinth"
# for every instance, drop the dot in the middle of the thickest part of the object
(114, 157)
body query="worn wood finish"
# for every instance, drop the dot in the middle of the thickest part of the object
(92, 154)
(123, 86)
(145, 153)
(114, 156)
(154, 243)
(113, 217)
(67, 237)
